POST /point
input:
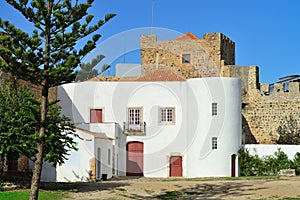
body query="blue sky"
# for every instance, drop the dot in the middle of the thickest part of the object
(266, 32)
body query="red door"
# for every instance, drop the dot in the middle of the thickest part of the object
(96, 115)
(135, 159)
(176, 166)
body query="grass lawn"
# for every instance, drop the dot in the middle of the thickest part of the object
(43, 195)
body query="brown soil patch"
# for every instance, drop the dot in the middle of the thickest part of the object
(146, 188)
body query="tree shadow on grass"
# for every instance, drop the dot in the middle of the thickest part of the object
(110, 184)
(202, 191)
(82, 187)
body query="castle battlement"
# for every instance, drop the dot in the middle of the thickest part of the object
(290, 88)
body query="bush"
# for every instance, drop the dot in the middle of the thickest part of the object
(252, 165)
(249, 165)
(296, 163)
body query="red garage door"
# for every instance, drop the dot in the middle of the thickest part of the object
(176, 166)
(135, 159)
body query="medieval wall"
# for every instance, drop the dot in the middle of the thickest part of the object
(249, 76)
(267, 109)
(213, 56)
(206, 55)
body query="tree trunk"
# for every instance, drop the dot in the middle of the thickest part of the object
(1, 164)
(5, 164)
(36, 176)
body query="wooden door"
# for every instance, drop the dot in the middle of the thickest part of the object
(135, 159)
(233, 165)
(176, 166)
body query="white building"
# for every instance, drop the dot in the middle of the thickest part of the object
(174, 127)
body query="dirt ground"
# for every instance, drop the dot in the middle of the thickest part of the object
(146, 188)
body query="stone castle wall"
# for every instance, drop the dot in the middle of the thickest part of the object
(266, 110)
(214, 55)
(206, 55)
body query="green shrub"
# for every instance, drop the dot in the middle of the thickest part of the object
(252, 165)
(296, 163)
(249, 165)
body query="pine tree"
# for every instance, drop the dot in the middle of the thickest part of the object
(47, 57)
(87, 70)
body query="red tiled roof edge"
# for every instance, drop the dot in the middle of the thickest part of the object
(188, 36)
(161, 75)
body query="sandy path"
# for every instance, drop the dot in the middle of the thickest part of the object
(144, 188)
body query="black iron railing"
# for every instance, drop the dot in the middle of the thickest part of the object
(134, 128)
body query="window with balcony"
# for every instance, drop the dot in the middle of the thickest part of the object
(134, 122)
(134, 115)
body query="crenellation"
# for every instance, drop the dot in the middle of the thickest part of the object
(294, 87)
(278, 87)
(265, 105)
(265, 88)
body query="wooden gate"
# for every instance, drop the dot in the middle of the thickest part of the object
(176, 166)
(135, 159)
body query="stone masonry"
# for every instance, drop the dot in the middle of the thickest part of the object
(208, 56)
(214, 55)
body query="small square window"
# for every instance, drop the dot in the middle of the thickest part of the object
(214, 143)
(186, 58)
(96, 116)
(214, 109)
(167, 115)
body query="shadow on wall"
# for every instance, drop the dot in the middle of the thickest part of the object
(133, 169)
(247, 134)
(69, 109)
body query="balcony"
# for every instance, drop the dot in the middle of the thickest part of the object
(134, 129)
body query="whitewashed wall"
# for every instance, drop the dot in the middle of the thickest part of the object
(189, 137)
(202, 160)
(48, 172)
(77, 167)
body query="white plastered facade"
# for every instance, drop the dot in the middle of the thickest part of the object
(189, 135)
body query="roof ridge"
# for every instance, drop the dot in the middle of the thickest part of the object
(161, 75)
(188, 36)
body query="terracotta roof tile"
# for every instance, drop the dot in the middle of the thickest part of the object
(188, 36)
(161, 75)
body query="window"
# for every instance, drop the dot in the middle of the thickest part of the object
(214, 143)
(167, 115)
(96, 116)
(186, 58)
(134, 116)
(214, 109)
